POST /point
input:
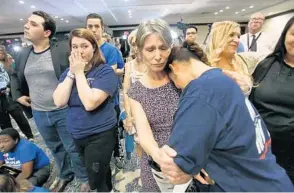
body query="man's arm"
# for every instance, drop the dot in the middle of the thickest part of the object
(194, 133)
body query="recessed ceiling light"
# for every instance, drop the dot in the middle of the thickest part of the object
(129, 10)
(243, 9)
(215, 13)
(33, 7)
(61, 19)
(251, 7)
(166, 10)
(56, 17)
(236, 12)
(221, 10)
(228, 7)
(66, 21)
(21, 2)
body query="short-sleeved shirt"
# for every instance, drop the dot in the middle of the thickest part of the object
(25, 151)
(218, 129)
(82, 123)
(112, 56)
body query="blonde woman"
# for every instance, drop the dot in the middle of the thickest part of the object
(222, 53)
(134, 70)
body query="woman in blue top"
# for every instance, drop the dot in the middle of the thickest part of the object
(216, 128)
(87, 87)
(24, 155)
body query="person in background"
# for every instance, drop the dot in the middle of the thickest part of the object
(217, 128)
(24, 155)
(38, 68)
(191, 33)
(112, 56)
(257, 40)
(134, 70)
(87, 87)
(273, 97)
(107, 38)
(222, 53)
(8, 106)
(9, 184)
(240, 48)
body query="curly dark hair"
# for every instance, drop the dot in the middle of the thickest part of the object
(185, 52)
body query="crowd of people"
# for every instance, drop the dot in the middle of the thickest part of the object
(215, 117)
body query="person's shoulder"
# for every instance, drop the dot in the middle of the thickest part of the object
(103, 69)
(25, 144)
(213, 81)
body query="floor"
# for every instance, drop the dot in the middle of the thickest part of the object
(124, 180)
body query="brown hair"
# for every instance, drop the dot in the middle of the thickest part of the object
(88, 35)
(6, 62)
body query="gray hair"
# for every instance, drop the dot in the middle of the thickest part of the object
(153, 26)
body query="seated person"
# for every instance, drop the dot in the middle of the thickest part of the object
(24, 155)
(9, 184)
(216, 128)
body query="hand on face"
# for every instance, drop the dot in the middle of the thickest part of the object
(77, 63)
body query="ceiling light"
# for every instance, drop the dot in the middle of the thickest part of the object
(21, 2)
(228, 7)
(174, 34)
(66, 21)
(61, 19)
(21, 19)
(251, 6)
(129, 11)
(16, 48)
(56, 17)
(270, 13)
(33, 7)
(243, 9)
(215, 13)
(236, 12)
(221, 10)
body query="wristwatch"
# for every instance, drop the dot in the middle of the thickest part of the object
(70, 75)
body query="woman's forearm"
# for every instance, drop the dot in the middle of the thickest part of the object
(62, 92)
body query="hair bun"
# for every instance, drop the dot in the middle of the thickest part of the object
(191, 46)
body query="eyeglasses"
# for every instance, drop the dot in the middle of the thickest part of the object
(257, 19)
(191, 33)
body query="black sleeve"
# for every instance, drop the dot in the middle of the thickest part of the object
(14, 81)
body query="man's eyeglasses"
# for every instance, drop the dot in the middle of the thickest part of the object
(191, 33)
(257, 19)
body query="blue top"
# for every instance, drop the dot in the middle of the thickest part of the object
(38, 189)
(25, 151)
(240, 48)
(218, 129)
(82, 123)
(113, 56)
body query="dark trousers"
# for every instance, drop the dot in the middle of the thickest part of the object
(96, 151)
(40, 176)
(282, 148)
(10, 107)
(116, 152)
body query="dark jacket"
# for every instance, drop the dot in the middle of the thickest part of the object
(19, 86)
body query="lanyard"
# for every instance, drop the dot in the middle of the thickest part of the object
(249, 47)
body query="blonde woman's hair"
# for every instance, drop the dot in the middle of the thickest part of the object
(218, 39)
